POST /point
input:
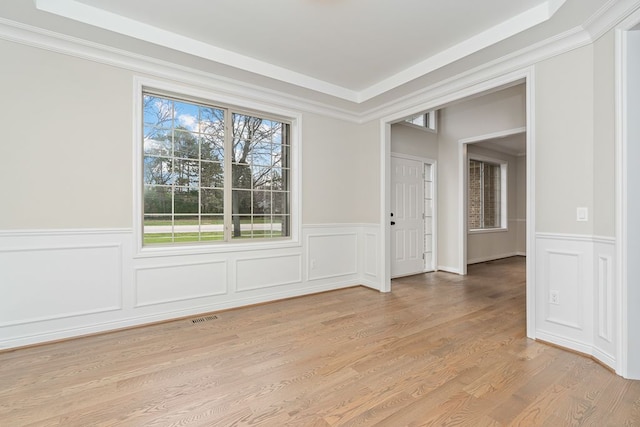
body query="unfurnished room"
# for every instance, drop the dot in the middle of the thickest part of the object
(320, 213)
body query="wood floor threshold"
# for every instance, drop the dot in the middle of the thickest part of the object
(173, 319)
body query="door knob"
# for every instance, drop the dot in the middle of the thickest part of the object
(393, 223)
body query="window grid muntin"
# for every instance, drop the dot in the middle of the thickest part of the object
(247, 162)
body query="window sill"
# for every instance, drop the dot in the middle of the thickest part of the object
(488, 230)
(227, 247)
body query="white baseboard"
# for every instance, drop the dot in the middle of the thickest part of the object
(446, 269)
(136, 321)
(564, 342)
(584, 348)
(494, 257)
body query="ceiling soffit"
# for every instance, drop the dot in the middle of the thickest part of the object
(88, 14)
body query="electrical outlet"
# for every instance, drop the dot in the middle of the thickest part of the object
(313, 264)
(554, 297)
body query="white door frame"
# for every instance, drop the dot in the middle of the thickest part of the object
(621, 147)
(458, 92)
(434, 164)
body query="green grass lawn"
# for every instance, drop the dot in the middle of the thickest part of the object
(158, 238)
(164, 238)
(150, 222)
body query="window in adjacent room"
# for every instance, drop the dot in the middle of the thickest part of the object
(487, 195)
(213, 173)
(428, 120)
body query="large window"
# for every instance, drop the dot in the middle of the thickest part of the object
(487, 195)
(212, 173)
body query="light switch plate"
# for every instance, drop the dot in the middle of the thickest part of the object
(582, 214)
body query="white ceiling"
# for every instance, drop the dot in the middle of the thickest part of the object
(351, 49)
(351, 55)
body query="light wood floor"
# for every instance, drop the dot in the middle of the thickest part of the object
(439, 350)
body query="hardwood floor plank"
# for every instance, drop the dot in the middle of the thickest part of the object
(441, 349)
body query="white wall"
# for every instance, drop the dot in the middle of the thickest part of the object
(604, 136)
(336, 162)
(604, 197)
(67, 141)
(368, 195)
(67, 253)
(564, 141)
(573, 94)
(410, 140)
(485, 246)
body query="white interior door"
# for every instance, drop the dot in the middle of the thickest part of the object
(407, 217)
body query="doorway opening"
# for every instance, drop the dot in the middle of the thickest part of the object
(451, 254)
(493, 174)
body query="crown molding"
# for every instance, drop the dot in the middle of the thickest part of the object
(104, 19)
(55, 42)
(607, 17)
(517, 24)
(423, 100)
(612, 13)
(101, 18)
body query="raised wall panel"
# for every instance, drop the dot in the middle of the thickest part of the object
(565, 265)
(605, 340)
(161, 284)
(605, 298)
(564, 276)
(371, 254)
(332, 255)
(47, 283)
(265, 272)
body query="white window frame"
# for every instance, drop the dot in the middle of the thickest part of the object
(503, 193)
(294, 119)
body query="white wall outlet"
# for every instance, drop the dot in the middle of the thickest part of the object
(313, 264)
(582, 214)
(554, 297)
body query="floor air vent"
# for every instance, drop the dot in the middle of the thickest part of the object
(203, 319)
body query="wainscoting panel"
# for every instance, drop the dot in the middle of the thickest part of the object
(166, 283)
(565, 282)
(607, 301)
(332, 255)
(371, 254)
(576, 298)
(57, 282)
(266, 272)
(564, 290)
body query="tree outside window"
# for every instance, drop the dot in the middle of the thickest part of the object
(203, 185)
